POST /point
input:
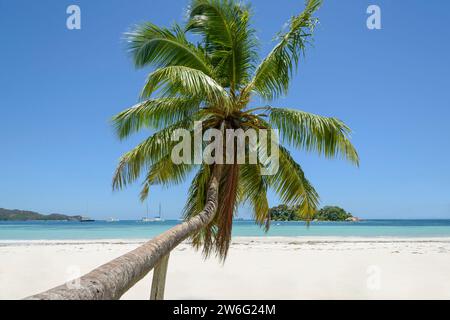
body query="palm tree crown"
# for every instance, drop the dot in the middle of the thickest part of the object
(214, 81)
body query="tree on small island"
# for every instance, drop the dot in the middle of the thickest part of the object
(328, 213)
(333, 213)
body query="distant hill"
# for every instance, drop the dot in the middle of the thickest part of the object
(20, 215)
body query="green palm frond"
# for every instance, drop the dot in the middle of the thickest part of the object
(150, 151)
(292, 186)
(186, 81)
(274, 73)
(195, 204)
(323, 135)
(254, 187)
(164, 172)
(162, 47)
(227, 37)
(154, 113)
(197, 192)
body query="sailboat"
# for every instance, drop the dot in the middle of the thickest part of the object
(86, 218)
(156, 219)
(159, 218)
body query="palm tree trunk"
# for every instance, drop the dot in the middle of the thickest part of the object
(116, 277)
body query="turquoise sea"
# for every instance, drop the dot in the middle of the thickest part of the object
(56, 230)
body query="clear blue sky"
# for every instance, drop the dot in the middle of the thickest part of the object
(59, 88)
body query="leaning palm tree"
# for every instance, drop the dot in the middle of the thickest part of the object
(216, 81)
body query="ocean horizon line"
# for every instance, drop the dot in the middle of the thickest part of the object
(136, 229)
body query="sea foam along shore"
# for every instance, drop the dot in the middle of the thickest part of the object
(257, 268)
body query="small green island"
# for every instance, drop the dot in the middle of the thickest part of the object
(328, 213)
(21, 215)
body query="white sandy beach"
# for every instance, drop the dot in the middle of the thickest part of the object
(257, 268)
